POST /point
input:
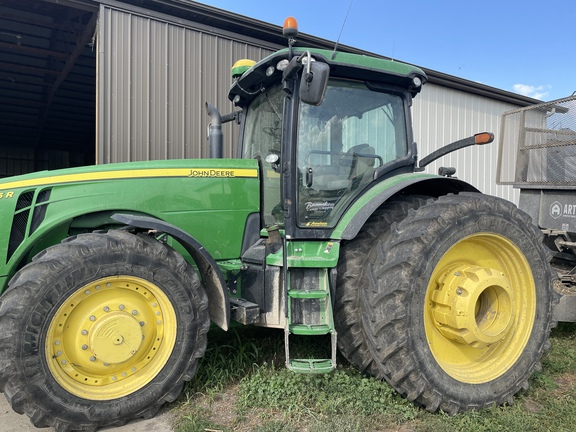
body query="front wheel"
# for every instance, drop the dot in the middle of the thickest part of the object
(99, 330)
(457, 303)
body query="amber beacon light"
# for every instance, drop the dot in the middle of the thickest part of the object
(290, 27)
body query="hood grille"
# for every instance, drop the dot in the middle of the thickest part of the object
(26, 206)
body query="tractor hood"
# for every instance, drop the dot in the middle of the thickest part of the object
(208, 198)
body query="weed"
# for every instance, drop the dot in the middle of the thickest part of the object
(267, 397)
(276, 426)
(229, 357)
(335, 394)
(195, 423)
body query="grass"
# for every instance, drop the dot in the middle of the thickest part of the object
(242, 385)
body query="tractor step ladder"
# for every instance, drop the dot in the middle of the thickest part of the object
(310, 314)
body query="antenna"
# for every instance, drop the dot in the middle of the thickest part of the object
(343, 24)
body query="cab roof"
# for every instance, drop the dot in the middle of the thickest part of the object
(342, 65)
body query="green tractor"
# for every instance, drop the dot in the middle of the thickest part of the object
(324, 226)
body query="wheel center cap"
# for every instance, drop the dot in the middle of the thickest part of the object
(473, 305)
(115, 337)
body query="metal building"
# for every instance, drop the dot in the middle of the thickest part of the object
(101, 81)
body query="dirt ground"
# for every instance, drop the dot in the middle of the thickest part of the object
(13, 422)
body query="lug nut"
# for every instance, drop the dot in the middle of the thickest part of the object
(121, 307)
(84, 347)
(106, 308)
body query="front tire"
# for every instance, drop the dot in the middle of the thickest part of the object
(99, 330)
(456, 303)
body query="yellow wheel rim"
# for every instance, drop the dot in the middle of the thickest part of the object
(111, 338)
(480, 308)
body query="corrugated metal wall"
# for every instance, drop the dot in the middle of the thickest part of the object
(14, 161)
(442, 115)
(154, 77)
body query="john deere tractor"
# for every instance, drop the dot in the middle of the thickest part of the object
(323, 227)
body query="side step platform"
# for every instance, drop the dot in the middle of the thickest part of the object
(309, 308)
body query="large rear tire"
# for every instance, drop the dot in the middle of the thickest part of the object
(456, 303)
(353, 256)
(99, 330)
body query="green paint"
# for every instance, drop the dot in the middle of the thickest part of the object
(308, 254)
(208, 198)
(354, 60)
(373, 192)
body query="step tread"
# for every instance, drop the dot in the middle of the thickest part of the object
(310, 329)
(308, 294)
(313, 366)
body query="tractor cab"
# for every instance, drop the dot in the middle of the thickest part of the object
(324, 127)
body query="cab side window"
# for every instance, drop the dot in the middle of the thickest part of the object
(340, 145)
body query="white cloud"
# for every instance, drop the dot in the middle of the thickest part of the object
(536, 92)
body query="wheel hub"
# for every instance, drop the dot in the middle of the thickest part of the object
(111, 337)
(473, 305)
(115, 337)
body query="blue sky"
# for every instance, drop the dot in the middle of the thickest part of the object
(526, 47)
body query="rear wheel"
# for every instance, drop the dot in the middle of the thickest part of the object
(99, 330)
(353, 256)
(456, 303)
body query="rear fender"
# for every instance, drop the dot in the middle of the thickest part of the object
(404, 184)
(212, 278)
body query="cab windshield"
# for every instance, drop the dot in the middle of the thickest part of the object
(340, 145)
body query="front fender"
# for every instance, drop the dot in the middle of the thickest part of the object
(409, 184)
(212, 278)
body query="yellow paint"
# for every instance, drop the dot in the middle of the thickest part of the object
(132, 174)
(480, 308)
(316, 224)
(473, 305)
(6, 195)
(111, 337)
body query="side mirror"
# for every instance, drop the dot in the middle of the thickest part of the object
(314, 82)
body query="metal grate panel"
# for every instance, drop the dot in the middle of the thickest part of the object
(538, 145)
(40, 210)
